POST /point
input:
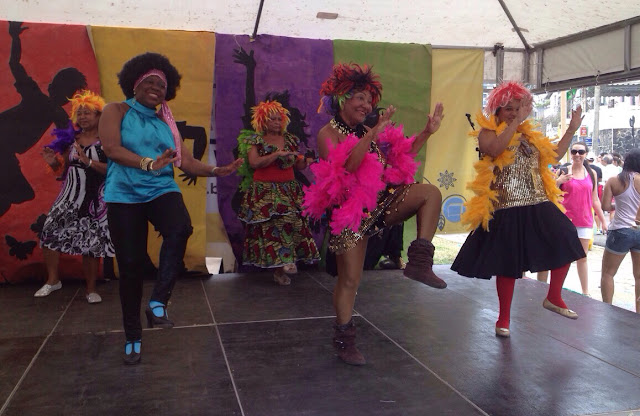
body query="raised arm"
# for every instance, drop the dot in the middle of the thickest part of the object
(18, 71)
(433, 124)
(241, 56)
(563, 144)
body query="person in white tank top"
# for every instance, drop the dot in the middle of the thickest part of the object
(624, 232)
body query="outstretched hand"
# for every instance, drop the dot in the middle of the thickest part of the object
(230, 168)
(434, 120)
(576, 119)
(167, 157)
(49, 156)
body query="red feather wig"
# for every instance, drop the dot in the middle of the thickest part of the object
(344, 80)
(505, 92)
(264, 110)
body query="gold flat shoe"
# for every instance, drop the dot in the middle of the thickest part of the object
(290, 268)
(567, 313)
(281, 279)
(503, 332)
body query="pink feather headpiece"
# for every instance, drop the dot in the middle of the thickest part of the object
(505, 92)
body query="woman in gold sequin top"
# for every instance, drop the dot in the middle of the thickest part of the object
(515, 217)
(349, 95)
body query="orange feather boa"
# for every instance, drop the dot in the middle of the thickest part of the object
(479, 210)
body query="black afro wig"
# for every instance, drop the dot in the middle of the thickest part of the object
(139, 65)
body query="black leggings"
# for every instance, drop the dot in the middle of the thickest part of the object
(129, 228)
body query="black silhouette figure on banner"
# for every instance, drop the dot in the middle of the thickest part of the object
(22, 126)
(297, 125)
(199, 136)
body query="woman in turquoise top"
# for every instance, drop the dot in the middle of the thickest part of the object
(142, 145)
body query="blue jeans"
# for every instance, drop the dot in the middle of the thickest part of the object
(622, 240)
(128, 225)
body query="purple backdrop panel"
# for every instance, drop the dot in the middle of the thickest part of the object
(245, 74)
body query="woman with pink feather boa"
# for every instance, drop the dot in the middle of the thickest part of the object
(364, 181)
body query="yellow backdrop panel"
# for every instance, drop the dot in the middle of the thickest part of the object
(192, 53)
(456, 82)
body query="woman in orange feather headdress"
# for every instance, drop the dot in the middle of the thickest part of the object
(77, 221)
(277, 236)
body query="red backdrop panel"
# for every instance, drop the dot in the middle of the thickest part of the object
(29, 62)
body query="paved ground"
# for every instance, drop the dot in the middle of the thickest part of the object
(624, 295)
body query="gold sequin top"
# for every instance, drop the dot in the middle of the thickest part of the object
(520, 183)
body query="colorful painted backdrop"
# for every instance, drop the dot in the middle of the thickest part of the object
(223, 76)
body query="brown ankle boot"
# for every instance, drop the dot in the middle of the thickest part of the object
(419, 266)
(344, 342)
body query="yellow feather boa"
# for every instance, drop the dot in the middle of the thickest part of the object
(479, 210)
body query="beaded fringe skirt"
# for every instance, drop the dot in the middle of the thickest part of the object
(374, 223)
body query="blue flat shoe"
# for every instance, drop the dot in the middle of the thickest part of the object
(132, 352)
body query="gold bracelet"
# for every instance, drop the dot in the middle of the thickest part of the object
(213, 171)
(145, 162)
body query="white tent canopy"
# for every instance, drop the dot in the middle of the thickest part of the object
(551, 44)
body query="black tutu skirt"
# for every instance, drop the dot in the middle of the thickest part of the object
(530, 238)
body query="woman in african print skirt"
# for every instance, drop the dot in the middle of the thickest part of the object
(276, 234)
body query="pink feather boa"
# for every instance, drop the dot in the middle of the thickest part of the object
(353, 195)
(401, 165)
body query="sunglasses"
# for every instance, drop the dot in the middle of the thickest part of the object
(578, 152)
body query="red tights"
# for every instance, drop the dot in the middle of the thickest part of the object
(505, 286)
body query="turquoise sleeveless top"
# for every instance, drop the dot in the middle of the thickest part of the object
(146, 135)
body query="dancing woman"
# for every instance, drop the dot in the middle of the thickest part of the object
(77, 222)
(365, 182)
(515, 217)
(276, 234)
(143, 144)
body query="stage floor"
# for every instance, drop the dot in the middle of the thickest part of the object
(244, 346)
